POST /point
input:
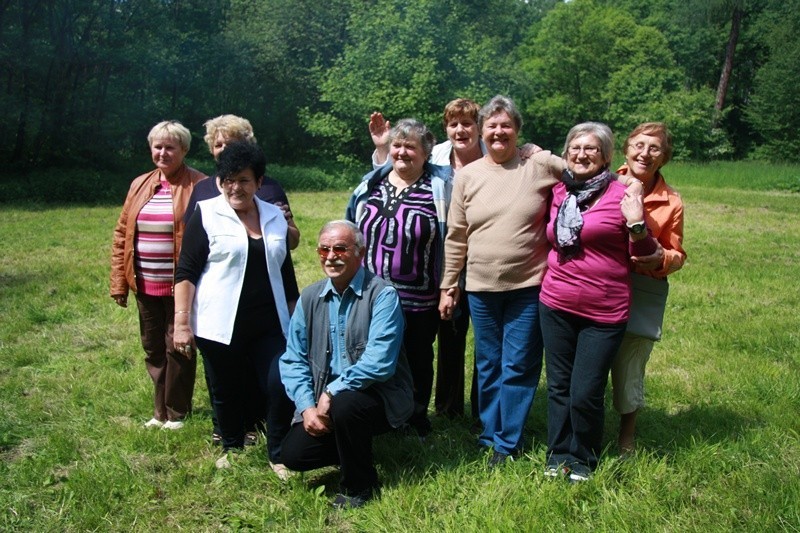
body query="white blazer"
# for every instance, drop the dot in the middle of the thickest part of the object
(220, 285)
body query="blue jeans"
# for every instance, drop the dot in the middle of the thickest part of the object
(578, 355)
(508, 356)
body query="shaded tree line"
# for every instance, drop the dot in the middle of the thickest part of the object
(84, 80)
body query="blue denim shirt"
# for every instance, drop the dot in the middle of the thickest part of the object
(376, 364)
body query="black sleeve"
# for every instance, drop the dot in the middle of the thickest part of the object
(272, 192)
(190, 207)
(289, 279)
(194, 250)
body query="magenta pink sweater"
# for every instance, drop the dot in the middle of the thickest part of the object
(596, 284)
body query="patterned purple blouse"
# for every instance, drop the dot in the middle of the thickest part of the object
(402, 239)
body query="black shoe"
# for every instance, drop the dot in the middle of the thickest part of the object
(498, 458)
(344, 501)
(421, 424)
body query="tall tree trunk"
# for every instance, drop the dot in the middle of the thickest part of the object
(727, 67)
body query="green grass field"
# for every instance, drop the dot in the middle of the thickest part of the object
(719, 443)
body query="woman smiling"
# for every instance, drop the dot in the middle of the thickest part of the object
(595, 226)
(235, 289)
(496, 230)
(402, 211)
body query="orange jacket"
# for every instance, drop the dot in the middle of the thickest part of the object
(143, 188)
(663, 213)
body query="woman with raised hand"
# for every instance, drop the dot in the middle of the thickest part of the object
(462, 147)
(235, 290)
(147, 243)
(402, 211)
(647, 149)
(595, 227)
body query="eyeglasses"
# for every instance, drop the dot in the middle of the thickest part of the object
(338, 249)
(229, 182)
(588, 150)
(653, 150)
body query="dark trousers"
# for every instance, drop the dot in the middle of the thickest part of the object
(230, 370)
(357, 416)
(578, 356)
(450, 365)
(172, 372)
(255, 408)
(421, 328)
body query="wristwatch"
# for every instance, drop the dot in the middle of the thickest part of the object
(637, 227)
(328, 393)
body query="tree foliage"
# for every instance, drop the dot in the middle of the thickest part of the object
(84, 80)
(774, 110)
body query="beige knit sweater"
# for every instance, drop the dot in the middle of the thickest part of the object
(496, 224)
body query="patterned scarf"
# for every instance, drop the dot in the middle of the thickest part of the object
(569, 220)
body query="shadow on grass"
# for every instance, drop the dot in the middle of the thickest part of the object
(664, 432)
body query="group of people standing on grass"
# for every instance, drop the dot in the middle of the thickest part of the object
(537, 249)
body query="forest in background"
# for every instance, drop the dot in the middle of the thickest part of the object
(84, 80)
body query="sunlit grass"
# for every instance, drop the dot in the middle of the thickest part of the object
(719, 439)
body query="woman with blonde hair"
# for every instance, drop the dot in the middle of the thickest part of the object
(145, 251)
(220, 132)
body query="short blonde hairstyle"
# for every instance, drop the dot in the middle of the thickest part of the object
(171, 129)
(232, 127)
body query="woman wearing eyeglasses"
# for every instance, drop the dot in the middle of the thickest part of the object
(647, 149)
(595, 227)
(402, 211)
(235, 290)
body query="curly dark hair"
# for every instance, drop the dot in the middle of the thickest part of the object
(240, 156)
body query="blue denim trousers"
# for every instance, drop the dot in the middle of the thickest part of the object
(508, 356)
(578, 356)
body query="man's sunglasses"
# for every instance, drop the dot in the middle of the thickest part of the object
(338, 249)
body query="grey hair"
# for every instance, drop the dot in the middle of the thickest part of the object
(411, 128)
(497, 105)
(358, 237)
(599, 130)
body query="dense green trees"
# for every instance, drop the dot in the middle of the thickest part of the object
(83, 80)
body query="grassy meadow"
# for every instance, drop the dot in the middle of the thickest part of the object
(719, 442)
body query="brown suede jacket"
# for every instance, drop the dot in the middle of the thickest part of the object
(143, 188)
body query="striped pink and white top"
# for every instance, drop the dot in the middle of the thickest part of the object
(154, 245)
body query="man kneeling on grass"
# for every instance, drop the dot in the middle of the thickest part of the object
(344, 367)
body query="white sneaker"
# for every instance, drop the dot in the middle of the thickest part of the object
(281, 471)
(173, 425)
(224, 462)
(153, 423)
(575, 477)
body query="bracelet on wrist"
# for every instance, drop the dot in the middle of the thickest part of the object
(181, 312)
